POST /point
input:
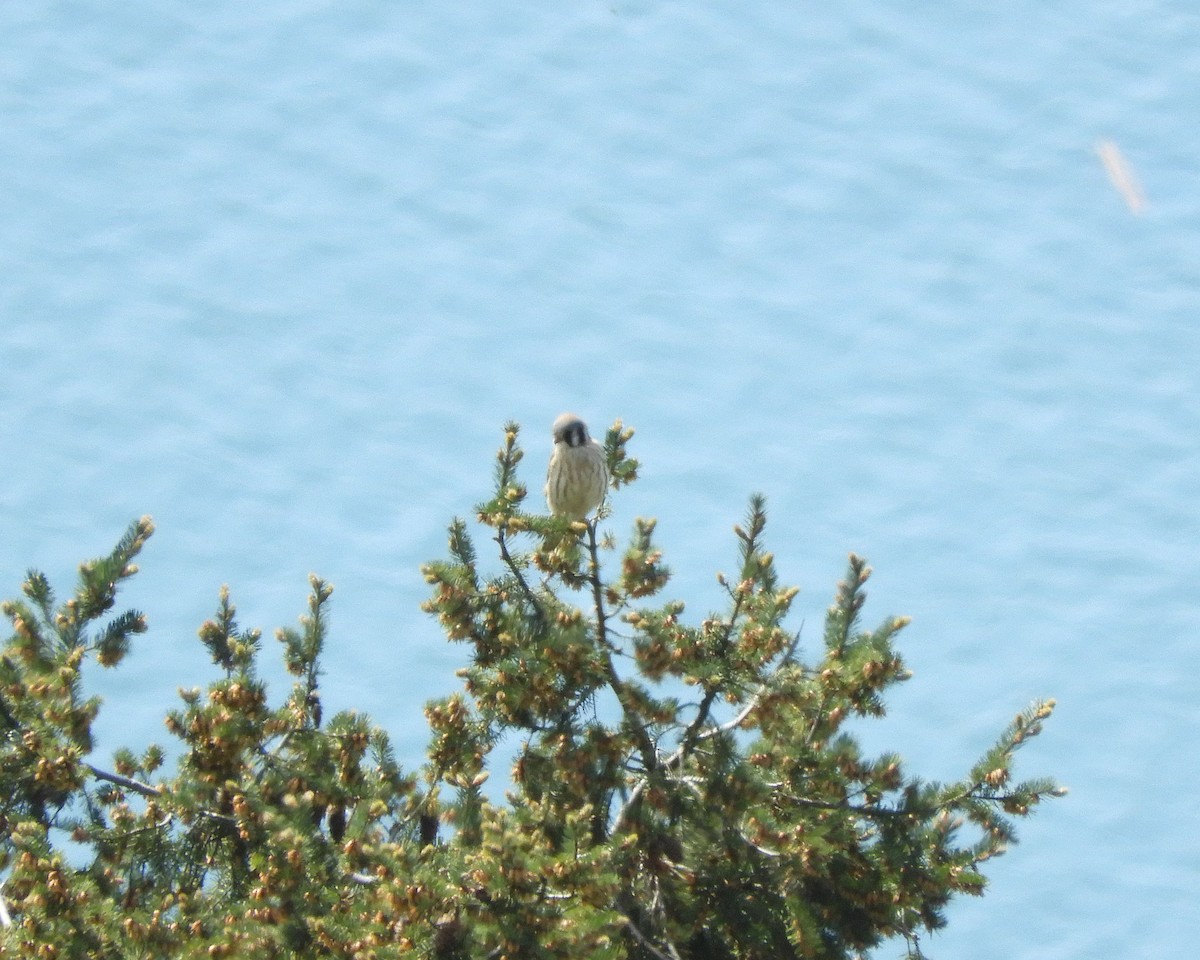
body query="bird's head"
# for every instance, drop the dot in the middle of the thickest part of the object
(569, 429)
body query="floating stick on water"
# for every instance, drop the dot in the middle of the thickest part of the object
(1121, 175)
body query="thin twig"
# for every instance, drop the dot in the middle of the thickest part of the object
(623, 814)
(646, 747)
(642, 939)
(127, 782)
(145, 790)
(516, 572)
(597, 586)
(685, 748)
(690, 734)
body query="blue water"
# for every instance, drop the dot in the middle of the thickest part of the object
(276, 273)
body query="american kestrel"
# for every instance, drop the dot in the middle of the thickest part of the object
(578, 476)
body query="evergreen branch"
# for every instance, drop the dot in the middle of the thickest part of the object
(314, 631)
(675, 760)
(597, 586)
(866, 812)
(627, 807)
(846, 606)
(645, 943)
(839, 623)
(734, 723)
(145, 790)
(646, 747)
(122, 781)
(710, 695)
(752, 570)
(37, 588)
(518, 575)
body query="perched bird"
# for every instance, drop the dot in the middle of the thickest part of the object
(578, 476)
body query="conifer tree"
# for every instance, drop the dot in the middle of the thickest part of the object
(660, 787)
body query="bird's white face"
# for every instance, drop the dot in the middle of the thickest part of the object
(571, 430)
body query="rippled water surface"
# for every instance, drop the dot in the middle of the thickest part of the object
(276, 273)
